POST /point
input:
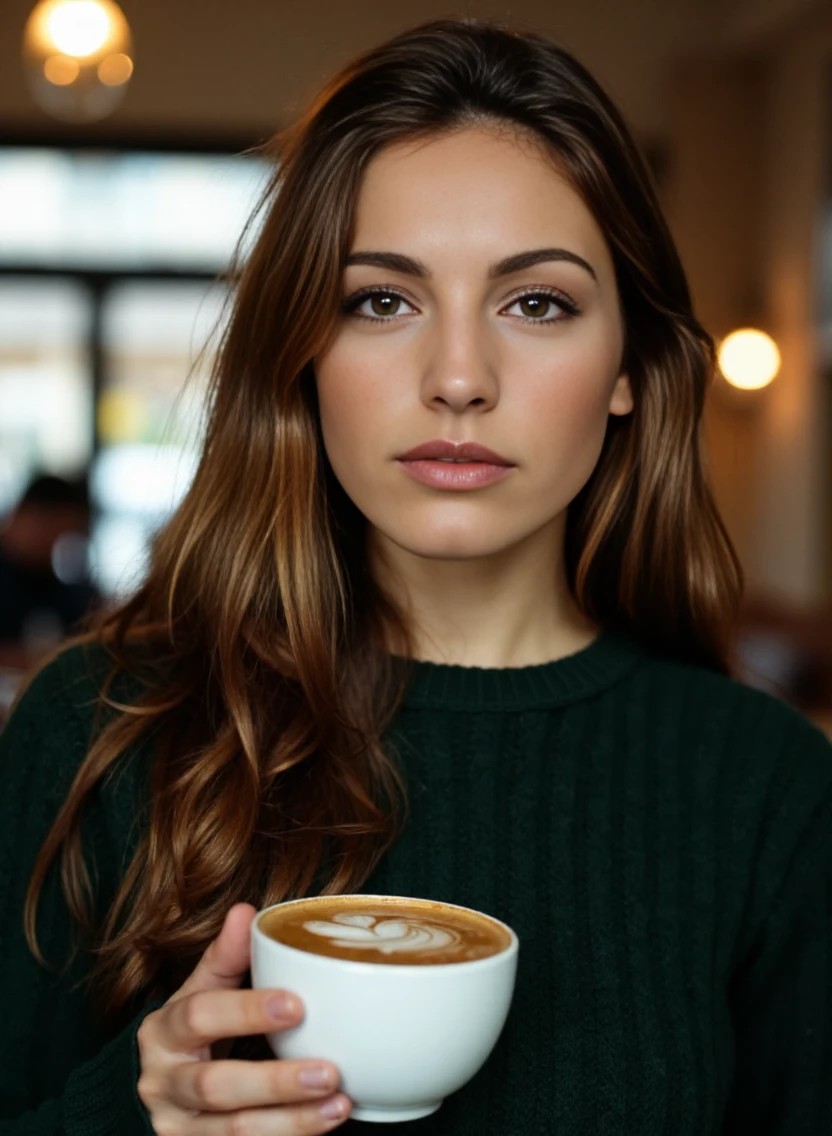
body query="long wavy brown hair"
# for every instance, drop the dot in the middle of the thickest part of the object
(268, 663)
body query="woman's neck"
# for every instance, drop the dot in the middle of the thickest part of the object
(512, 609)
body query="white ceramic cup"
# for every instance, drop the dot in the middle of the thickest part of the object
(402, 1037)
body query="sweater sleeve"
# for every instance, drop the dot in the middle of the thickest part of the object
(781, 998)
(99, 1099)
(60, 1075)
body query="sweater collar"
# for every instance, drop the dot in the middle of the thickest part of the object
(443, 686)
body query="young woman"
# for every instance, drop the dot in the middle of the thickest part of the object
(447, 612)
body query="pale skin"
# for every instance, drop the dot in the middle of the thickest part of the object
(481, 571)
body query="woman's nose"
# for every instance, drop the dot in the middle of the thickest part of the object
(460, 370)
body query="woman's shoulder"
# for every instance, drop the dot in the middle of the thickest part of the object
(62, 706)
(72, 681)
(50, 733)
(707, 686)
(740, 723)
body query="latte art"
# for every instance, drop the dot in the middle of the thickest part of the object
(385, 935)
(385, 929)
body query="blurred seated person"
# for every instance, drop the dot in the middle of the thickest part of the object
(45, 587)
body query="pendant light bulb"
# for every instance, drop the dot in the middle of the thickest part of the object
(78, 57)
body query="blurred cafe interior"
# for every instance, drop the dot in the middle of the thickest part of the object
(127, 171)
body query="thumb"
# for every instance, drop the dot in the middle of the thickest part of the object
(227, 958)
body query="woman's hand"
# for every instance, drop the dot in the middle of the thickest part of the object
(188, 1094)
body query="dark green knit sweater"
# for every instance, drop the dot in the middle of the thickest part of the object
(660, 838)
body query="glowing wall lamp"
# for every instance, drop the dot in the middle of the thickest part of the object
(748, 359)
(78, 56)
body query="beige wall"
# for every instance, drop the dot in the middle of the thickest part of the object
(752, 138)
(794, 519)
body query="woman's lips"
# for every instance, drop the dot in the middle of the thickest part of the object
(457, 451)
(455, 474)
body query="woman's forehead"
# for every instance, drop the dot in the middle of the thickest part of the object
(478, 188)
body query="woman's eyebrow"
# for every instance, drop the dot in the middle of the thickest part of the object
(529, 259)
(398, 262)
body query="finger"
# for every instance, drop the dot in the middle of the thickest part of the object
(227, 958)
(304, 1120)
(211, 1015)
(225, 1086)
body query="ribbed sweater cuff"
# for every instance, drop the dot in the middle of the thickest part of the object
(101, 1096)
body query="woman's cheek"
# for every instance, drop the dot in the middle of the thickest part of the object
(572, 397)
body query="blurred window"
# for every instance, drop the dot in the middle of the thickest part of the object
(124, 210)
(46, 419)
(108, 300)
(150, 419)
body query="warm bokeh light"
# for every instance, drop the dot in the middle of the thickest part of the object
(115, 70)
(749, 359)
(78, 56)
(79, 27)
(61, 70)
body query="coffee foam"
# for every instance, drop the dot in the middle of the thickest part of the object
(385, 935)
(388, 930)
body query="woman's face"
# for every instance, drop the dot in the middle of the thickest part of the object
(443, 338)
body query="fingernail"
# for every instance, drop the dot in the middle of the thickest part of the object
(334, 1108)
(314, 1077)
(281, 1006)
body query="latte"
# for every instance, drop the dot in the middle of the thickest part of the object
(402, 932)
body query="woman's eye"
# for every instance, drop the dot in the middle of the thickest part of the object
(539, 307)
(382, 305)
(533, 307)
(378, 305)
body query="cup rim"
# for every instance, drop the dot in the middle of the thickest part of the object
(488, 960)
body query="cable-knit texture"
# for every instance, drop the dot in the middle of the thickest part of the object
(659, 837)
